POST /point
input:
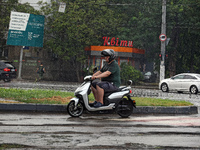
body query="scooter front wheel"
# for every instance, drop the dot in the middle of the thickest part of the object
(75, 111)
(124, 108)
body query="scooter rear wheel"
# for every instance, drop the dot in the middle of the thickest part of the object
(124, 108)
(75, 111)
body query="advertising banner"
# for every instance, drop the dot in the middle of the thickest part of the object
(26, 29)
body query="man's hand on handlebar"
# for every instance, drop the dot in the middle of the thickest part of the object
(94, 77)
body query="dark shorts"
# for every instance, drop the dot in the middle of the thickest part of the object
(107, 86)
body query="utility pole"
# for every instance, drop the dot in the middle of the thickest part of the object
(20, 64)
(163, 32)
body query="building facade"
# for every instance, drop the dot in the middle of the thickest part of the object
(60, 70)
(56, 69)
(130, 55)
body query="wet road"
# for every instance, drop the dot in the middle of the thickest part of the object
(102, 131)
(60, 131)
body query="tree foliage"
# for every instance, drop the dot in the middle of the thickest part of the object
(128, 72)
(84, 23)
(185, 33)
(142, 24)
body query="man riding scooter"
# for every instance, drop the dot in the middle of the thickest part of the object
(109, 75)
(106, 92)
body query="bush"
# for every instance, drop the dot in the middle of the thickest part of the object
(128, 72)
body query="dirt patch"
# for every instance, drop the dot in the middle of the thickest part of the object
(54, 99)
(51, 100)
(62, 100)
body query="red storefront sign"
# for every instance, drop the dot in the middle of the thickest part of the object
(117, 42)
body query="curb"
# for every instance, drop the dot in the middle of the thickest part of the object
(166, 110)
(62, 108)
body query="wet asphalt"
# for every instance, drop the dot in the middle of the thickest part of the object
(32, 126)
(98, 131)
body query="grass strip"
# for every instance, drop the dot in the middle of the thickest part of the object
(145, 101)
(40, 96)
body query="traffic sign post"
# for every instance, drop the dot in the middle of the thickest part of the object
(163, 38)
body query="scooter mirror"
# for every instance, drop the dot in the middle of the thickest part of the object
(95, 69)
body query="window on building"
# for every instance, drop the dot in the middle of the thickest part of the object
(98, 63)
(123, 60)
(103, 63)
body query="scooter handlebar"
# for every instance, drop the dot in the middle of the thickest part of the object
(88, 77)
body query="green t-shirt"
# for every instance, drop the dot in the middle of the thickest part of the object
(41, 69)
(115, 73)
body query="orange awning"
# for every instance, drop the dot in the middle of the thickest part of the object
(116, 49)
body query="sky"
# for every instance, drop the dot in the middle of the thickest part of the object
(33, 2)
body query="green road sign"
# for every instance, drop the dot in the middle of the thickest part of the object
(26, 29)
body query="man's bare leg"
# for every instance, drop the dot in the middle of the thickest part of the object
(94, 91)
(100, 94)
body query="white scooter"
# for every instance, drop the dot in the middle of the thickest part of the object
(119, 101)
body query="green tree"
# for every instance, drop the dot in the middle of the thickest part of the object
(84, 23)
(128, 72)
(184, 30)
(143, 25)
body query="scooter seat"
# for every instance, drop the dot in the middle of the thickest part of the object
(108, 93)
(122, 87)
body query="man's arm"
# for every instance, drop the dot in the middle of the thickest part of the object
(44, 70)
(97, 73)
(101, 75)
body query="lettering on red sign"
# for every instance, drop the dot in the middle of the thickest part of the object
(106, 40)
(116, 42)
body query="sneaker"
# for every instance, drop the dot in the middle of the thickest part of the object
(98, 104)
(92, 104)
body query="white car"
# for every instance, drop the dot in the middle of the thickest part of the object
(185, 82)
